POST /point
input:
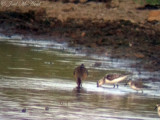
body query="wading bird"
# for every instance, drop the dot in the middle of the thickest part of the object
(80, 74)
(136, 85)
(111, 79)
(158, 109)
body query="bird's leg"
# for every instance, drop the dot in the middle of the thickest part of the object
(155, 108)
(137, 91)
(114, 86)
(142, 91)
(79, 85)
(117, 85)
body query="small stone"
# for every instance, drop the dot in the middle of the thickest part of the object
(72, 1)
(82, 1)
(114, 3)
(24, 110)
(83, 34)
(97, 64)
(46, 108)
(139, 55)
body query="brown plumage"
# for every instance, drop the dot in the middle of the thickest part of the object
(158, 109)
(80, 74)
(136, 85)
(113, 76)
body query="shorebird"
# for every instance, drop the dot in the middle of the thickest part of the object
(158, 109)
(80, 74)
(136, 85)
(111, 79)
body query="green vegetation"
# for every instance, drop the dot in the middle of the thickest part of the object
(150, 2)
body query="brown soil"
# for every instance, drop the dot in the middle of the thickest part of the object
(118, 30)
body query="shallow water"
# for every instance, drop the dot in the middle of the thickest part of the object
(35, 75)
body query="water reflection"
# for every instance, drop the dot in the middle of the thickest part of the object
(71, 105)
(40, 80)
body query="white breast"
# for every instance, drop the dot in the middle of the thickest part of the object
(158, 110)
(134, 87)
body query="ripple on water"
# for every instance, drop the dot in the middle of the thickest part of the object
(35, 93)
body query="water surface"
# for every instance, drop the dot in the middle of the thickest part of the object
(38, 76)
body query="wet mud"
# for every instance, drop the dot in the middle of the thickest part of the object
(116, 38)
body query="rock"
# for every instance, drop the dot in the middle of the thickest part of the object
(61, 18)
(68, 9)
(24, 110)
(83, 34)
(40, 12)
(92, 45)
(114, 3)
(139, 55)
(72, 1)
(108, 4)
(74, 36)
(97, 64)
(82, 1)
(154, 15)
(47, 108)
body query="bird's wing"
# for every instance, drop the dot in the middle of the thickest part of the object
(112, 76)
(139, 84)
(74, 72)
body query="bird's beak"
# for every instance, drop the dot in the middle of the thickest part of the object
(100, 82)
(155, 108)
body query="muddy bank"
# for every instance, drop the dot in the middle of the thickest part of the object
(117, 38)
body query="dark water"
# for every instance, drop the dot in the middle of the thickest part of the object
(37, 76)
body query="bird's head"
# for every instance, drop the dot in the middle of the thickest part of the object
(100, 82)
(128, 82)
(158, 105)
(82, 65)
